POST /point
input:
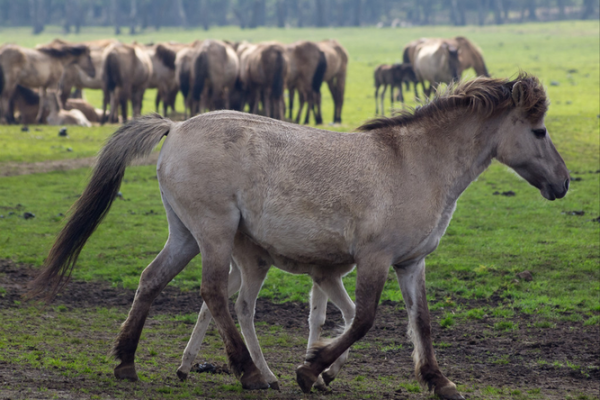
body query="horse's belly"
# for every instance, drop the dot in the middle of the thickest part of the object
(303, 241)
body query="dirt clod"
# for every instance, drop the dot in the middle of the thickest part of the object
(526, 276)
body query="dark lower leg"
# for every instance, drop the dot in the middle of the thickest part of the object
(427, 371)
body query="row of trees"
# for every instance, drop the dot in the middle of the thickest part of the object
(141, 14)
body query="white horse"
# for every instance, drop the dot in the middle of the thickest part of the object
(379, 197)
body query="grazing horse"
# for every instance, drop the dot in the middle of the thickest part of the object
(470, 56)
(463, 54)
(436, 61)
(335, 75)
(74, 76)
(215, 69)
(263, 72)
(394, 75)
(41, 68)
(307, 70)
(380, 197)
(126, 73)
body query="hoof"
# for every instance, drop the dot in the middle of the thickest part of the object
(328, 377)
(305, 378)
(320, 385)
(274, 385)
(448, 392)
(254, 381)
(182, 375)
(126, 371)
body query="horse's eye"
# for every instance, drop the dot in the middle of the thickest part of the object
(539, 133)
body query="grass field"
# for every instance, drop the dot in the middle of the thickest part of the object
(490, 239)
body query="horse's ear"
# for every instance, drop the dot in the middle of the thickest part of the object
(518, 93)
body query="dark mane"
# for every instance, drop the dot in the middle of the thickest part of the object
(60, 50)
(485, 96)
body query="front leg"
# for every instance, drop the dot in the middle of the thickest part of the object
(411, 277)
(40, 115)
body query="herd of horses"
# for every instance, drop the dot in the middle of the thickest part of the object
(210, 74)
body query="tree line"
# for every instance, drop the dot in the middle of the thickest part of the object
(134, 15)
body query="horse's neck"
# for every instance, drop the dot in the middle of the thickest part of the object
(461, 154)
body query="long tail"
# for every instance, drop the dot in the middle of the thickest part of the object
(278, 83)
(200, 75)
(135, 139)
(319, 72)
(112, 73)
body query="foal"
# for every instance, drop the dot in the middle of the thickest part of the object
(379, 197)
(394, 75)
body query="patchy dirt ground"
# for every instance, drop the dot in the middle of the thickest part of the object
(527, 360)
(15, 168)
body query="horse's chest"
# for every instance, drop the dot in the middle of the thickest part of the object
(430, 241)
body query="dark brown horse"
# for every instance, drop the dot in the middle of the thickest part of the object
(393, 75)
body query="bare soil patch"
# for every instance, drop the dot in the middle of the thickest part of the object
(14, 168)
(472, 353)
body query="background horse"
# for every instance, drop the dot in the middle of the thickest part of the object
(41, 68)
(263, 72)
(435, 61)
(74, 76)
(379, 197)
(126, 73)
(335, 76)
(215, 69)
(307, 70)
(393, 75)
(163, 79)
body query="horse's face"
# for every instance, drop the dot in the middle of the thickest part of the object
(86, 64)
(527, 148)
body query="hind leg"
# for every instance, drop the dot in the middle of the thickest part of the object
(178, 251)
(254, 263)
(214, 231)
(204, 318)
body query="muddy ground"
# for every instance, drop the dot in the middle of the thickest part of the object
(469, 354)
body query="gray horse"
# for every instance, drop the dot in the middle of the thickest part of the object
(379, 197)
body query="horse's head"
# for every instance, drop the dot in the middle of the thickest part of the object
(525, 145)
(83, 59)
(453, 60)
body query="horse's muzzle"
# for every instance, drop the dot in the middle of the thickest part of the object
(553, 192)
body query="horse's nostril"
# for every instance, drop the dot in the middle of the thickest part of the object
(567, 185)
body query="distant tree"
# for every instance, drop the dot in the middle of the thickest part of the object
(356, 12)
(458, 12)
(529, 6)
(497, 7)
(281, 13)
(133, 17)
(38, 15)
(589, 9)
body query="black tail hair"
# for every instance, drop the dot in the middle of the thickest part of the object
(201, 73)
(278, 80)
(320, 72)
(112, 74)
